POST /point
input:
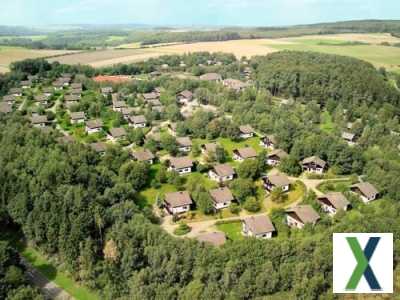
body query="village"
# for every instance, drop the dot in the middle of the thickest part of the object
(139, 124)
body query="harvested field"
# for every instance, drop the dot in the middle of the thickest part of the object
(370, 38)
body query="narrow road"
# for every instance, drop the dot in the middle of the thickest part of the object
(49, 289)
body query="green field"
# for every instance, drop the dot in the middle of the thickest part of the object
(233, 230)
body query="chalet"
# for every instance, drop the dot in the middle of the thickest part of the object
(76, 85)
(222, 173)
(119, 105)
(350, 138)
(178, 202)
(105, 91)
(65, 81)
(17, 92)
(276, 181)
(208, 148)
(268, 141)
(158, 109)
(48, 91)
(9, 99)
(94, 126)
(332, 202)
(100, 147)
(258, 227)
(222, 197)
(211, 77)
(41, 99)
(235, 85)
(214, 238)
(71, 100)
(244, 153)
(127, 112)
(137, 121)
(246, 131)
(184, 144)
(154, 102)
(77, 117)
(26, 84)
(301, 215)
(58, 85)
(5, 108)
(184, 97)
(33, 78)
(313, 164)
(39, 121)
(157, 90)
(182, 165)
(150, 96)
(366, 191)
(275, 157)
(116, 134)
(76, 92)
(172, 128)
(144, 156)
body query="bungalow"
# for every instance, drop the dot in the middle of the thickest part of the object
(208, 148)
(105, 91)
(313, 164)
(258, 227)
(275, 157)
(9, 99)
(154, 102)
(39, 121)
(137, 121)
(48, 91)
(246, 131)
(277, 181)
(94, 126)
(332, 202)
(119, 105)
(222, 197)
(76, 92)
(301, 215)
(76, 85)
(244, 153)
(144, 156)
(177, 202)
(182, 165)
(41, 99)
(268, 141)
(77, 117)
(71, 100)
(5, 108)
(350, 138)
(17, 92)
(184, 97)
(157, 109)
(235, 85)
(214, 238)
(184, 144)
(26, 84)
(222, 173)
(211, 77)
(127, 112)
(65, 81)
(116, 134)
(58, 85)
(150, 96)
(100, 147)
(366, 191)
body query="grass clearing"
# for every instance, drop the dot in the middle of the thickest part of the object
(327, 123)
(296, 193)
(233, 230)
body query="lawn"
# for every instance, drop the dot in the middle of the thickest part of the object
(233, 230)
(335, 186)
(327, 123)
(230, 145)
(296, 193)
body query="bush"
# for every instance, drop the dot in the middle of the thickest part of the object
(182, 229)
(252, 205)
(235, 208)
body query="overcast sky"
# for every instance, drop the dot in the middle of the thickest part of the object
(193, 12)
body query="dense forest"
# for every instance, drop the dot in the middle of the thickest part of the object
(84, 209)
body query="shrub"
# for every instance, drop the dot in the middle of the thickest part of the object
(252, 205)
(182, 229)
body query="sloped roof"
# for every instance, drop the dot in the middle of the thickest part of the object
(143, 155)
(247, 152)
(305, 213)
(184, 141)
(77, 115)
(221, 195)
(99, 147)
(366, 188)
(224, 170)
(279, 180)
(314, 159)
(246, 129)
(138, 119)
(118, 132)
(336, 199)
(178, 199)
(259, 224)
(181, 162)
(38, 119)
(92, 124)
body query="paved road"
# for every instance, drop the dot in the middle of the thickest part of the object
(48, 288)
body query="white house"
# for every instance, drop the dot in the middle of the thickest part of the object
(268, 141)
(332, 202)
(144, 156)
(246, 131)
(77, 117)
(244, 153)
(275, 157)
(258, 227)
(313, 164)
(222, 197)
(116, 134)
(182, 165)
(366, 191)
(137, 121)
(39, 121)
(184, 144)
(276, 181)
(178, 202)
(221, 173)
(94, 126)
(301, 215)
(119, 105)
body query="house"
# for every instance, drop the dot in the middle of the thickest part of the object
(17, 92)
(154, 102)
(71, 100)
(39, 121)
(158, 109)
(276, 181)
(301, 215)
(275, 157)
(178, 202)
(65, 81)
(211, 77)
(244, 153)
(222, 197)
(332, 202)
(94, 126)
(100, 147)
(214, 238)
(116, 133)
(258, 227)
(235, 85)
(222, 173)
(366, 191)
(144, 156)
(105, 91)
(184, 97)
(58, 85)
(76, 85)
(76, 92)
(172, 128)
(184, 144)
(137, 121)
(350, 138)
(119, 105)
(268, 141)
(313, 164)
(151, 96)
(208, 148)
(48, 91)
(182, 165)
(9, 99)
(77, 117)
(42, 99)
(26, 84)
(246, 131)
(5, 108)
(127, 112)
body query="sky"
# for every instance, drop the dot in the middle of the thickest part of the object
(193, 12)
